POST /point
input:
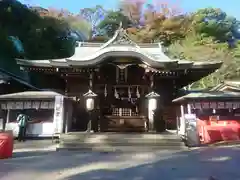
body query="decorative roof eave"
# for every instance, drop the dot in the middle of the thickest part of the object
(59, 63)
(207, 65)
(150, 63)
(120, 37)
(226, 85)
(184, 64)
(128, 53)
(210, 95)
(36, 63)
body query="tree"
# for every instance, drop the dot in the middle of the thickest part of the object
(197, 48)
(133, 10)
(75, 22)
(155, 22)
(42, 36)
(93, 16)
(141, 12)
(112, 21)
(216, 23)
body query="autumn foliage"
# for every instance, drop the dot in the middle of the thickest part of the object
(205, 35)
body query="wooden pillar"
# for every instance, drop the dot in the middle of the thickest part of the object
(189, 111)
(68, 108)
(182, 128)
(66, 85)
(8, 115)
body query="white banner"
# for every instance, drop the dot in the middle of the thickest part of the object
(58, 114)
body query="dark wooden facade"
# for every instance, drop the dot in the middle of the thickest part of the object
(106, 80)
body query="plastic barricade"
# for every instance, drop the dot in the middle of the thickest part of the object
(222, 130)
(6, 144)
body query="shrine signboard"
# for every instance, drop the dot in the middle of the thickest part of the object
(215, 105)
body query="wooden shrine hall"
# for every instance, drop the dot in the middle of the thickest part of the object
(119, 86)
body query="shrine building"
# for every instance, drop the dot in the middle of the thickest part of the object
(126, 87)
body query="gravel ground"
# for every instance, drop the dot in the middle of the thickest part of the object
(221, 163)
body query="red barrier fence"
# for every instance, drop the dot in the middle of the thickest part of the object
(6, 144)
(219, 130)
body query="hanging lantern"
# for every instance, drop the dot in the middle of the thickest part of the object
(89, 104)
(116, 93)
(105, 91)
(136, 109)
(90, 98)
(129, 94)
(152, 100)
(137, 93)
(152, 104)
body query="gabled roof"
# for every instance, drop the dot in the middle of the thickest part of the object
(27, 95)
(211, 95)
(90, 54)
(227, 86)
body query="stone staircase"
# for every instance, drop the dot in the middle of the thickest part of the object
(120, 141)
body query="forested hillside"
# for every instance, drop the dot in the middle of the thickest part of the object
(205, 35)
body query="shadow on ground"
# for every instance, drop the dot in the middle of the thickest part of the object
(221, 163)
(31, 154)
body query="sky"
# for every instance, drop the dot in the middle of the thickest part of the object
(186, 5)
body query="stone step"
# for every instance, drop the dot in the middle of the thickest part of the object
(84, 137)
(117, 143)
(114, 135)
(115, 148)
(120, 141)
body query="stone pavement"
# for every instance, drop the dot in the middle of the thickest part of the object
(34, 145)
(198, 164)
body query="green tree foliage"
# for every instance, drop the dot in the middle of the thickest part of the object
(205, 35)
(75, 21)
(216, 23)
(42, 37)
(111, 22)
(93, 16)
(197, 48)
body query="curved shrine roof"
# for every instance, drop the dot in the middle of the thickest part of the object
(90, 54)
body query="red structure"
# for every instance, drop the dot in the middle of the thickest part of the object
(217, 116)
(6, 145)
